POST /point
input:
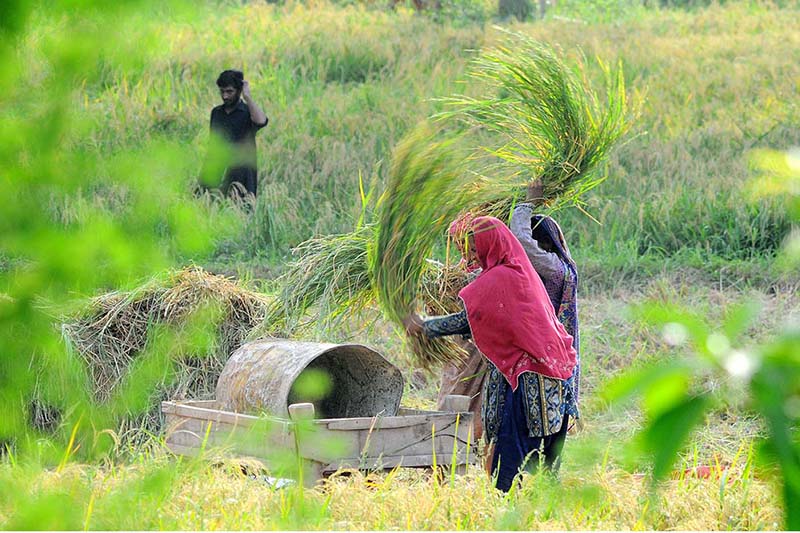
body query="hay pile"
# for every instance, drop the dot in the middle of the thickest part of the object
(115, 329)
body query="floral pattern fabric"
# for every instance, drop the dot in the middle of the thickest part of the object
(440, 326)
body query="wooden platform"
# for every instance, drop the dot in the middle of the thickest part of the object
(412, 438)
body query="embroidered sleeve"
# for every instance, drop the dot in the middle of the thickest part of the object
(439, 326)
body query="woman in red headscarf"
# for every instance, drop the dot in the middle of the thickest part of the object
(512, 322)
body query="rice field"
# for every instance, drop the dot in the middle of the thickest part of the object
(343, 85)
(102, 198)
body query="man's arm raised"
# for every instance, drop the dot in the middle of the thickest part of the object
(258, 117)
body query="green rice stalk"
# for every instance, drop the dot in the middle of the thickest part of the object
(548, 124)
(426, 190)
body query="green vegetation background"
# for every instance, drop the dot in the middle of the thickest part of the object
(104, 127)
(342, 85)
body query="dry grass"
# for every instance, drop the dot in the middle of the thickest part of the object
(209, 498)
(115, 328)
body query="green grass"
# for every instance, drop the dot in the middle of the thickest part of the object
(343, 84)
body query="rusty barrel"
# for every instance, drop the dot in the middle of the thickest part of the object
(260, 377)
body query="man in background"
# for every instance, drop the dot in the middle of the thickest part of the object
(234, 124)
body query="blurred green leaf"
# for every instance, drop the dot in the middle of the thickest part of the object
(776, 387)
(661, 313)
(13, 15)
(636, 381)
(665, 393)
(739, 318)
(48, 511)
(313, 384)
(666, 434)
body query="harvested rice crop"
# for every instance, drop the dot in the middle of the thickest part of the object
(440, 286)
(548, 126)
(428, 186)
(329, 281)
(546, 123)
(330, 273)
(114, 330)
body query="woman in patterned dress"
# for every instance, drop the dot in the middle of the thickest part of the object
(512, 321)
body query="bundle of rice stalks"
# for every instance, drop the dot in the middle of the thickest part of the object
(427, 188)
(330, 273)
(114, 330)
(330, 278)
(440, 286)
(547, 124)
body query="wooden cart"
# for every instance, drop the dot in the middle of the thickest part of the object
(411, 438)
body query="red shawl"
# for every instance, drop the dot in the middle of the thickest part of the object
(512, 320)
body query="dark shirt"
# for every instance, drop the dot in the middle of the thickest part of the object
(238, 129)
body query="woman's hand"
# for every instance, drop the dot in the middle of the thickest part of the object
(536, 192)
(413, 324)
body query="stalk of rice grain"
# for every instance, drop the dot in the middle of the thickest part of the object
(546, 124)
(329, 273)
(428, 186)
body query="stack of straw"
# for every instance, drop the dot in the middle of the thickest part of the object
(114, 330)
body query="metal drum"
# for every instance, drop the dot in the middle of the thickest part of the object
(260, 377)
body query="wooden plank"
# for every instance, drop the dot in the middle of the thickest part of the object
(413, 436)
(399, 442)
(395, 421)
(407, 411)
(323, 445)
(191, 451)
(205, 404)
(257, 441)
(368, 442)
(203, 409)
(412, 440)
(225, 417)
(202, 413)
(456, 403)
(387, 462)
